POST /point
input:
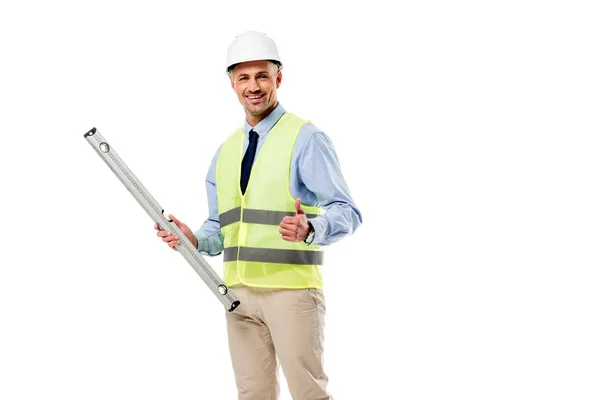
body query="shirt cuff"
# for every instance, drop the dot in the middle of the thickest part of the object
(210, 245)
(320, 225)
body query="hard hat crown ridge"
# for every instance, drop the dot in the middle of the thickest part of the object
(252, 46)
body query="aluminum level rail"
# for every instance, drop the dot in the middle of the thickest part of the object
(185, 247)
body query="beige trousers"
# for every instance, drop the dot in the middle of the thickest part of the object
(273, 326)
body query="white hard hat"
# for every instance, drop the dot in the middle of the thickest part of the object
(251, 46)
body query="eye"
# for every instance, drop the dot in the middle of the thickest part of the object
(243, 78)
(263, 77)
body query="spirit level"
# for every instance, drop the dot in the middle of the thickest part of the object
(185, 247)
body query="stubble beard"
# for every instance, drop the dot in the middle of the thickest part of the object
(256, 112)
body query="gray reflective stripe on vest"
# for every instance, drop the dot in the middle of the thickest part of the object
(229, 217)
(230, 254)
(251, 216)
(268, 217)
(304, 257)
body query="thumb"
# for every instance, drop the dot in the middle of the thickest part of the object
(177, 222)
(299, 209)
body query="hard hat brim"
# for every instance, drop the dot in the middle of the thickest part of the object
(232, 66)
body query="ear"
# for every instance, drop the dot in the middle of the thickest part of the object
(231, 80)
(278, 79)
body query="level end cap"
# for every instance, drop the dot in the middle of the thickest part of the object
(90, 132)
(234, 305)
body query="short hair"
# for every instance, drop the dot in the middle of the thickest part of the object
(277, 64)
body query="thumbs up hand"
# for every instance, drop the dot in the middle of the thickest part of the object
(296, 228)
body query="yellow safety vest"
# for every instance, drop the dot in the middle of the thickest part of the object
(254, 253)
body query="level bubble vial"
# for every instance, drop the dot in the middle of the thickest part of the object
(104, 147)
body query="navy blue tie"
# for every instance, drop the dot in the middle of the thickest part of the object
(248, 160)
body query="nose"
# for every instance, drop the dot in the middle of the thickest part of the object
(254, 86)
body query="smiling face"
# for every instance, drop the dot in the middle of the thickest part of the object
(256, 84)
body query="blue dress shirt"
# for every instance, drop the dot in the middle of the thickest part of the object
(315, 177)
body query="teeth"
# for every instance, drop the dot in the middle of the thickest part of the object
(254, 97)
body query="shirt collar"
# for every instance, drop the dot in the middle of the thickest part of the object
(264, 126)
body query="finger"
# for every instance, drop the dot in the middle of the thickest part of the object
(289, 238)
(289, 227)
(287, 232)
(156, 227)
(163, 233)
(288, 219)
(171, 238)
(174, 244)
(299, 209)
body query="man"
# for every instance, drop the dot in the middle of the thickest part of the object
(276, 194)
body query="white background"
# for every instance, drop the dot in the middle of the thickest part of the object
(467, 132)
